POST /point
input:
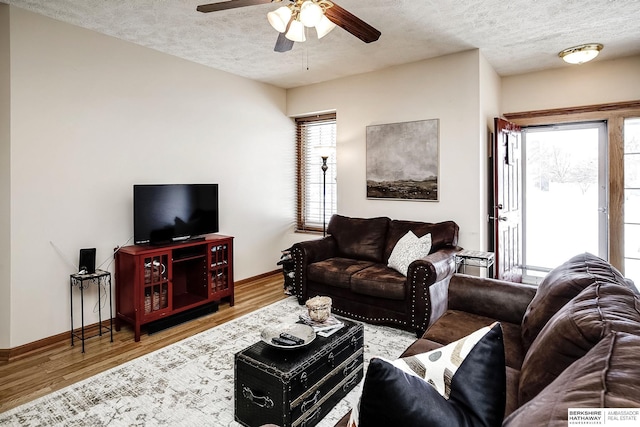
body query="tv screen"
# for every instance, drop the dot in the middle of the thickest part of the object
(171, 212)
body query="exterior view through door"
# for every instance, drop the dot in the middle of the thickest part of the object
(565, 194)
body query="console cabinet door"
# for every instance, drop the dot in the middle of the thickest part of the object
(156, 285)
(221, 270)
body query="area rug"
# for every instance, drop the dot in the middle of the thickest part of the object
(189, 383)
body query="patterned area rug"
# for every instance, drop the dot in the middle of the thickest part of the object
(189, 383)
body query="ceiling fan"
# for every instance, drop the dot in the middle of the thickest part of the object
(290, 20)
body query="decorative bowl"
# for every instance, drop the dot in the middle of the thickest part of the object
(319, 308)
(304, 332)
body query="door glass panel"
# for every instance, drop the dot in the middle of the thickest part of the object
(632, 199)
(631, 168)
(565, 194)
(631, 207)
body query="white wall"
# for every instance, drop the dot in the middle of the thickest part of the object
(445, 88)
(5, 176)
(90, 116)
(597, 82)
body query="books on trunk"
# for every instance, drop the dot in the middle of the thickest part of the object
(324, 329)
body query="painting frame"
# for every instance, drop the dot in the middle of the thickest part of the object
(403, 161)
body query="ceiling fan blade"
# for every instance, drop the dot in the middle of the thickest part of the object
(283, 44)
(351, 23)
(229, 4)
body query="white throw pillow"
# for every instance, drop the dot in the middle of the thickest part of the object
(408, 249)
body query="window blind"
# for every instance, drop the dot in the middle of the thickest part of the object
(316, 191)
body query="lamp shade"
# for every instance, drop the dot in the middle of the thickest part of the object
(296, 32)
(310, 13)
(279, 18)
(580, 54)
(324, 150)
(324, 27)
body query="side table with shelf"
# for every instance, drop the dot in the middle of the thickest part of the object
(480, 259)
(82, 281)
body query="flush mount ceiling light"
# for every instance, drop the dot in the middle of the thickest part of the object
(291, 21)
(581, 54)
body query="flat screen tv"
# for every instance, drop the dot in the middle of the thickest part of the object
(168, 213)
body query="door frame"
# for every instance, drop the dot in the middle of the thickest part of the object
(614, 114)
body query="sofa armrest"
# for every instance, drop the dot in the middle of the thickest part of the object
(305, 253)
(428, 281)
(439, 264)
(498, 299)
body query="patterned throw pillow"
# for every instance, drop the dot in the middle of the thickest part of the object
(408, 249)
(463, 383)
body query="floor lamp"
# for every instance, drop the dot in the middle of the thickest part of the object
(324, 194)
(325, 152)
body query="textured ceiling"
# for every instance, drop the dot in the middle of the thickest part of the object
(515, 36)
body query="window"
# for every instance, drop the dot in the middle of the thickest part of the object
(632, 198)
(316, 198)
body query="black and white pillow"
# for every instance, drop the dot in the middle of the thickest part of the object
(461, 384)
(408, 249)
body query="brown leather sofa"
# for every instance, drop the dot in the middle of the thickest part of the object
(350, 266)
(572, 342)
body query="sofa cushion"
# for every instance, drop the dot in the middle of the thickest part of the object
(455, 324)
(561, 285)
(379, 281)
(335, 271)
(598, 310)
(394, 394)
(606, 377)
(442, 234)
(408, 249)
(359, 238)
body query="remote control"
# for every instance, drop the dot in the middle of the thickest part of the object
(283, 341)
(293, 338)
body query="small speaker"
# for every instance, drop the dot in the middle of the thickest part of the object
(88, 260)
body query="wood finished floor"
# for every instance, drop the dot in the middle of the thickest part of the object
(59, 365)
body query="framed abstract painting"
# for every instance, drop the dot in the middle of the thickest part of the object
(403, 160)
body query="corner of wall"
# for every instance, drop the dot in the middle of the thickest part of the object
(5, 178)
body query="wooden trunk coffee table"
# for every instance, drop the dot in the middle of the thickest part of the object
(297, 387)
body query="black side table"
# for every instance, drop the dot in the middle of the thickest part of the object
(83, 281)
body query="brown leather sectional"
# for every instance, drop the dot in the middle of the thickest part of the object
(572, 342)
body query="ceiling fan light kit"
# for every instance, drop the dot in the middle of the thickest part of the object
(581, 54)
(279, 18)
(290, 20)
(324, 27)
(310, 13)
(296, 32)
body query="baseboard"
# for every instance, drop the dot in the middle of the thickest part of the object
(11, 354)
(8, 355)
(258, 277)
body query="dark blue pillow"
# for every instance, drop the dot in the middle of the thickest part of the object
(391, 397)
